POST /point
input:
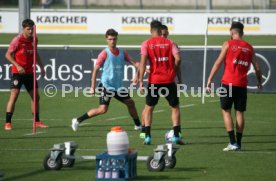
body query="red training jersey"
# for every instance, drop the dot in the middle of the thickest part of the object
(162, 63)
(22, 50)
(237, 63)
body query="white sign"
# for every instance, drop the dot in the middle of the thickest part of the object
(138, 23)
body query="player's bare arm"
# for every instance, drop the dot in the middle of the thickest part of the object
(136, 65)
(218, 63)
(93, 79)
(177, 59)
(142, 70)
(10, 58)
(257, 70)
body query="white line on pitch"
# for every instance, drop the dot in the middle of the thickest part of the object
(214, 101)
(82, 124)
(120, 117)
(53, 119)
(43, 149)
(254, 152)
(157, 111)
(31, 134)
(188, 105)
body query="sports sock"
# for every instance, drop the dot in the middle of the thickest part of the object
(137, 122)
(239, 138)
(36, 117)
(8, 117)
(143, 129)
(176, 131)
(83, 117)
(232, 137)
(147, 130)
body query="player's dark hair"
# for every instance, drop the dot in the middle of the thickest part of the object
(164, 27)
(111, 32)
(155, 25)
(27, 23)
(238, 26)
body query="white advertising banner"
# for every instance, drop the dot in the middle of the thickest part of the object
(8, 22)
(138, 23)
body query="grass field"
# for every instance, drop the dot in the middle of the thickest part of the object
(138, 39)
(202, 126)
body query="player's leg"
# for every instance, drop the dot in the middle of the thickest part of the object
(143, 132)
(151, 100)
(226, 101)
(148, 111)
(104, 101)
(240, 107)
(125, 98)
(239, 127)
(15, 87)
(10, 107)
(171, 96)
(28, 83)
(102, 109)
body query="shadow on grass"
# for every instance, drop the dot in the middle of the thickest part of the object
(52, 137)
(190, 169)
(25, 175)
(182, 170)
(248, 135)
(206, 127)
(157, 177)
(259, 150)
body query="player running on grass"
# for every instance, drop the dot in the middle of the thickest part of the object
(20, 55)
(236, 55)
(112, 61)
(164, 60)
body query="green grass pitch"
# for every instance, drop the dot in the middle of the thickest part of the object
(201, 159)
(202, 127)
(138, 39)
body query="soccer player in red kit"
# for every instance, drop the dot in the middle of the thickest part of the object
(237, 56)
(164, 60)
(20, 55)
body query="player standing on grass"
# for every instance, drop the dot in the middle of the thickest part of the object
(237, 55)
(164, 60)
(112, 61)
(20, 55)
(164, 34)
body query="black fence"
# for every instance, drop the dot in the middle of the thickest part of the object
(73, 67)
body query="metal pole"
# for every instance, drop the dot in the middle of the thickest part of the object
(204, 65)
(68, 5)
(85, 4)
(24, 12)
(252, 4)
(196, 4)
(34, 82)
(209, 5)
(141, 4)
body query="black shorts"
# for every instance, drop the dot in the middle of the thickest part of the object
(17, 80)
(169, 91)
(236, 95)
(106, 95)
